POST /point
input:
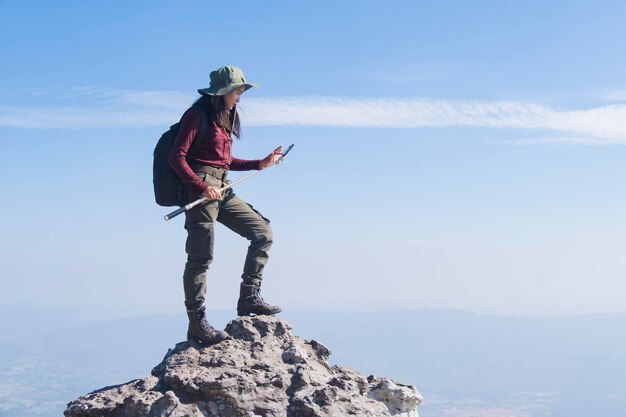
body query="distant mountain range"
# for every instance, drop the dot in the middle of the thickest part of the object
(464, 364)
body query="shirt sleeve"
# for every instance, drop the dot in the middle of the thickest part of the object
(237, 164)
(189, 126)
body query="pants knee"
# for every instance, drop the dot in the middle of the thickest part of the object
(266, 237)
(198, 263)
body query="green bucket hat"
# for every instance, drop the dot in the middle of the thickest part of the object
(224, 80)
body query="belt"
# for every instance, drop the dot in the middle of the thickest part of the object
(218, 173)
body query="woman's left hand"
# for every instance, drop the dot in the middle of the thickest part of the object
(271, 158)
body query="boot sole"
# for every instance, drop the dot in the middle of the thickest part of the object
(191, 338)
(248, 313)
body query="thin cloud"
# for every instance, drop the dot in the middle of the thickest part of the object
(93, 106)
(126, 108)
(607, 124)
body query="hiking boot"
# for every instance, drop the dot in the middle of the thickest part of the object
(201, 331)
(251, 302)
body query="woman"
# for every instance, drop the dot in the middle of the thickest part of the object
(203, 173)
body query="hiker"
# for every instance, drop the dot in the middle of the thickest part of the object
(202, 175)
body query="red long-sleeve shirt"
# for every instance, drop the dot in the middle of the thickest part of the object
(215, 151)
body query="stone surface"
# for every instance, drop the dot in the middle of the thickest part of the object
(261, 370)
(401, 399)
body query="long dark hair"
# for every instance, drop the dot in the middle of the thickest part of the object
(214, 108)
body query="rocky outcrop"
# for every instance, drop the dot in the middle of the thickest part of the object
(261, 370)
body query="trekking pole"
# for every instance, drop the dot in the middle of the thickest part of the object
(203, 199)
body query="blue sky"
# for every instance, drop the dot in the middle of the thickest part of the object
(459, 154)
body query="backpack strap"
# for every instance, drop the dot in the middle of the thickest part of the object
(200, 134)
(193, 148)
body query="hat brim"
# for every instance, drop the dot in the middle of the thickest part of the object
(225, 90)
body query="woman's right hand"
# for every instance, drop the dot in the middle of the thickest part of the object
(212, 193)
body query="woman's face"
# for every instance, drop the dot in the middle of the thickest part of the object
(232, 98)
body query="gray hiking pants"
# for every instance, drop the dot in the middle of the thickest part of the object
(233, 213)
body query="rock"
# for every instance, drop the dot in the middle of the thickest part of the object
(170, 406)
(261, 370)
(294, 354)
(135, 397)
(401, 399)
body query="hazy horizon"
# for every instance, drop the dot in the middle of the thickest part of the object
(461, 362)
